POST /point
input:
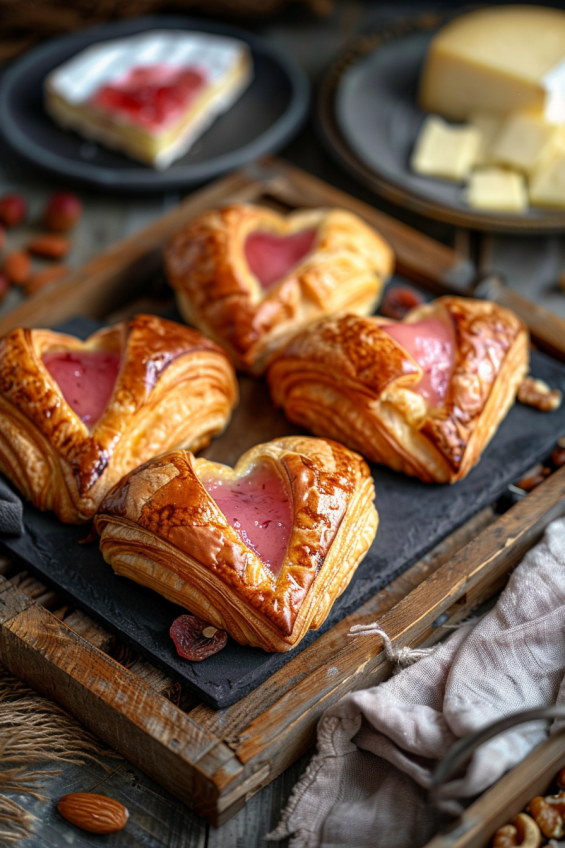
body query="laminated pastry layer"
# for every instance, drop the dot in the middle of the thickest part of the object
(250, 278)
(162, 527)
(63, 447)
(423, 396)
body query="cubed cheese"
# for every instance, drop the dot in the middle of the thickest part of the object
(523, 139)
(445, 151)
(547, 182)
(497, 190)
(488, 124)
(498, 59)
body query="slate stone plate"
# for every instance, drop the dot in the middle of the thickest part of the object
(370, 119)
(264, 118)
(414, 517)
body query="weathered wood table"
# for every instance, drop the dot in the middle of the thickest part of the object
(532, 266)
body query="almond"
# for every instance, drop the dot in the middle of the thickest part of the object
(94, 813)
(44, 277)
(17, 266)
(49, 246)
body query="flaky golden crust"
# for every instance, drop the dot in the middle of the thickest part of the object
(174, 388)
(161, 528)
(218, 293)
(349, 380)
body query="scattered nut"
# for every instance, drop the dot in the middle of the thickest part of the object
(538, 394)
(399, 300)
(533, 478)
(547, 818)
(62, 211)
(190, 635)
(93, 813)
(13, 209)
(529, 834)
(505, 837)
(50, 246)
(43, 278)
(558, 457)
(17, 266)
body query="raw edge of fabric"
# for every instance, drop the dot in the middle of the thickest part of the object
(329, 747)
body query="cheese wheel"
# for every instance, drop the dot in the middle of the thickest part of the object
(497, 60)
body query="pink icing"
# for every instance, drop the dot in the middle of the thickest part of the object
(271, 257)
(431, 343)
(258, 506)
(153, 96)
(86, 380)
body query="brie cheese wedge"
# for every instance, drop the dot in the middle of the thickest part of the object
(149, 95)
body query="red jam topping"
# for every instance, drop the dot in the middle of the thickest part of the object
(271, 257)
(258, 506)
(86, 380)
(153, 96)
(431, 343)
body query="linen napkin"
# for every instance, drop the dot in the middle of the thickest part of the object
(378, 748)
(11, 511)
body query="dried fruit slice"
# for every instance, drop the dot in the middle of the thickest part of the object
(196, 639)
(398, 302)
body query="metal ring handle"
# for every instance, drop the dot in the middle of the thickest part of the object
(461, 752)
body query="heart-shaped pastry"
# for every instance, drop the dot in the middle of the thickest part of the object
(250, 278)
(76, 416)
(261, 550)
(424, 395)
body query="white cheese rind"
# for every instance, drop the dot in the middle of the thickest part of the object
(80, 77)
(445, 151)
(498, 60)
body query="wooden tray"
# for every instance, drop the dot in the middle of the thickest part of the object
(215, 760)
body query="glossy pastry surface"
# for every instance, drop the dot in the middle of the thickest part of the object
(76, 416)
(423, 396)
(250, 278)
(261, 550)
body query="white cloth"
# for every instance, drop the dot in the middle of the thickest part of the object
(377, 748)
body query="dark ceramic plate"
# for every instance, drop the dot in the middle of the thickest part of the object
(370, 119)
(414, 517)
(265, 117)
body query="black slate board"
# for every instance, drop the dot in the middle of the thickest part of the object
(414, 517)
